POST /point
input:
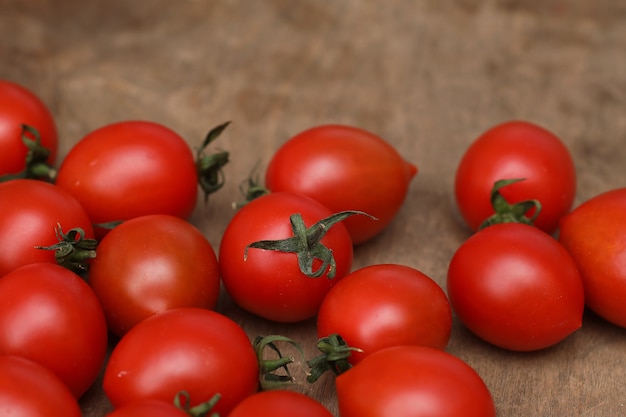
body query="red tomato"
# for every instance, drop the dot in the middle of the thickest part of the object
(30, 210)
(129, 169)
(150, 264)
(279, 403)
(407, 381)
(344, 168)
(516, 149)
(148, 408)
(19, 106)
(386, 305)
(29, 389)
(50, 315)
(187, 349)
(594, 233)
(270, 283)
(516, 287)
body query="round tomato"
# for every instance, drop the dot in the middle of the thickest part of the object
(386, 305)
(50, 315)
(198, 351)
(19, 106)
(148, 408)
(130, 169)
(150, 264)
(30, 212)
(407, 381)
(516, 287)
(344, 168)
(594, 233)
(30, 389)
(516, 150)
(279, 403)
(271, 283)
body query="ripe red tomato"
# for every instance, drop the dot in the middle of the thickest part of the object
(148, 408)
(30, 389)
(150, 264)
(386, 305)
(195, 350)
(516, 287)
(407, 381)
(19, 106)
(344, 168)
(129, 169)
(279, 403)
(30, 210)
(270, 283)
(516, 149)
(594, 234)
(50, 315)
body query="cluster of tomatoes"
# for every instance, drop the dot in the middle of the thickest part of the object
(98, 253)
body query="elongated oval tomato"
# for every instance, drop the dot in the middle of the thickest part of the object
(594, 233)
(151, 264)
(19, 106)
(516, 287)
(50, 315)
(516, 150)
(386, 305)
(129, 169)
(279, 403)
(30, 389)
(344, 168)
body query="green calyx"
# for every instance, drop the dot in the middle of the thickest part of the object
(269, 378)
(209, 167)
(251, 189)
(36, 166)
(506, 212)
(306, 244)
(200, 410)
(334, 357)
(73, 251)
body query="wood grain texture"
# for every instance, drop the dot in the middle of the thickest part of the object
(429, 76)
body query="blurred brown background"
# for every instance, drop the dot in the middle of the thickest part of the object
(429, 76)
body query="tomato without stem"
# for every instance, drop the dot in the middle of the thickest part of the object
(385, 305)
(270, 283)
(516, 287)
(151, 264)
(50, 315)
(344, 168)
(279, 403)
(516, 150)
(594, 234)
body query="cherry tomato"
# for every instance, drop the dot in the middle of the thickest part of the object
(148, 408)
(150, 264)
(279, 403)
(30, 211)
(50, 315)
(344, 168)
(198, 351)
(19, 106)
(270, 283)
(516, 287)
(594, 233)
(516, 150)
(386, 305)
(30, 389)
(129, 169)
(407, 381)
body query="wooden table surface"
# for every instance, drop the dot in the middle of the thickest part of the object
(429, 76)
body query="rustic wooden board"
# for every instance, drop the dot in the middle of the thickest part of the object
(429, 76)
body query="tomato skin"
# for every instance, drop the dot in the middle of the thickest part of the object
(386, 305)
(195, 350)
(270, 283)
(516, 149)
(29, 213)
(594, 233)
(129, 169)
(407, 381)
(344, 168)
(19, 105)
(516, 287)
(150, 264)
(148, 408)
(279, 403)
(50, 315)
(29, 389)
